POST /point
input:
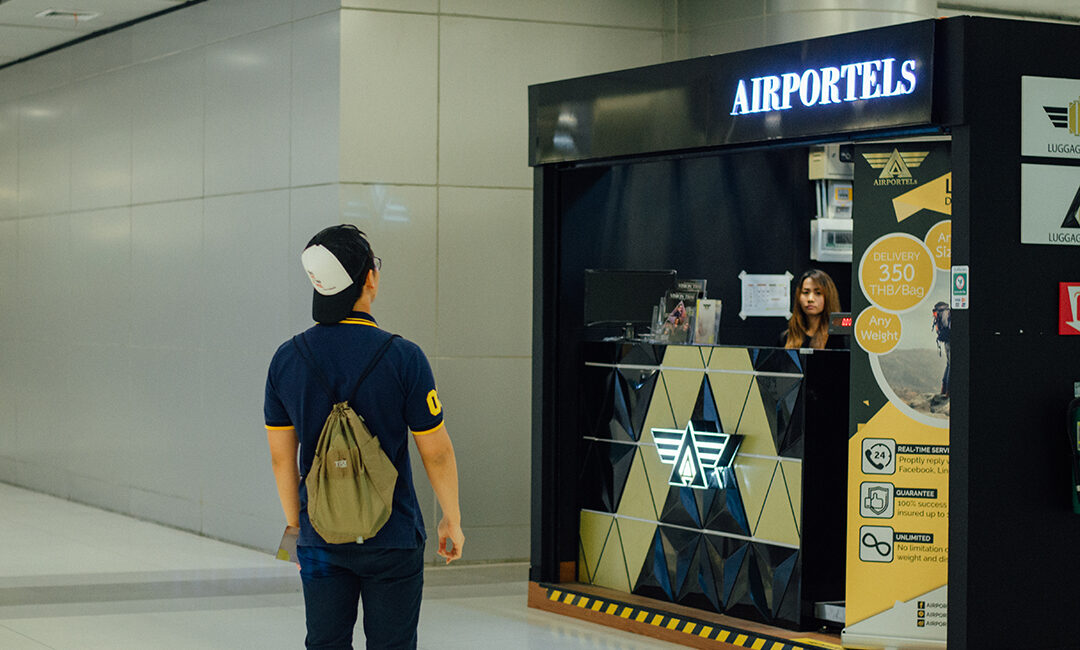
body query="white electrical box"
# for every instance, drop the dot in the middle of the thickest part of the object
(830, 161)
(831, 240)
(838, 201)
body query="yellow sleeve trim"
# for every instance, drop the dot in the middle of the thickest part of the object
(286, 428)
(431, 430)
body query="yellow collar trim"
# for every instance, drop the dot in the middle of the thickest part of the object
(359, 321)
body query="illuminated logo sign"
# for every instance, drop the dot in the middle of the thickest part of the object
(865, 80)
(697, 455)
(1065, 117)
(895, 167)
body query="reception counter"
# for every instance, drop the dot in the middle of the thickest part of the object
(714, 476)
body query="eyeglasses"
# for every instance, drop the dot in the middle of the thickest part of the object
(377, 262)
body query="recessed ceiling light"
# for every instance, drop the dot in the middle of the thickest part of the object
(68, 14)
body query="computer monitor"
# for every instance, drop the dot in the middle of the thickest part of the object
(624, 296)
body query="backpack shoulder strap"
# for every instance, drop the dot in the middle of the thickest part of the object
(371, 366)
(301, 343)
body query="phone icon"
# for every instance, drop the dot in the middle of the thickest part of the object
(879, 456)
(870, 459)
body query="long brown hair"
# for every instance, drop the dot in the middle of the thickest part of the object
(797, 324)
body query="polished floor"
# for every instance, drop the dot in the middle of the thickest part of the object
(77, 578)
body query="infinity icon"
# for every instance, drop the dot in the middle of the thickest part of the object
(872, 542)
(876, 543)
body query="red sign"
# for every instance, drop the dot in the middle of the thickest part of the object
(1069, 308)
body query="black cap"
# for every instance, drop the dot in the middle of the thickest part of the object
(337, 260)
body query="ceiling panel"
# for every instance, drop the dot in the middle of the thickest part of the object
(16, 42)
(22, 34)
(1059, 9)
(113, 12)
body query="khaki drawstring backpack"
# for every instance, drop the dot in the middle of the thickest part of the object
(350, 486)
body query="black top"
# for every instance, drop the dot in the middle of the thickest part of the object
(834, 342)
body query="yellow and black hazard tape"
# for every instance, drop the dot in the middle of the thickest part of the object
(658, 618)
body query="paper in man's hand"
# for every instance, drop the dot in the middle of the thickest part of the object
(287, 548)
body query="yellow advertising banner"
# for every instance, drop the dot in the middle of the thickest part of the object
(902, 513)
(898, 448)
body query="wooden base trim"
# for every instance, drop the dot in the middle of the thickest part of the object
(659, 624)
(567, 571)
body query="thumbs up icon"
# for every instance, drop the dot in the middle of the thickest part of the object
(876, 500)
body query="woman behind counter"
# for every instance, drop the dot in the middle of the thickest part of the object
(816, 299)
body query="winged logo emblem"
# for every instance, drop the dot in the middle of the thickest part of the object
(696, 453)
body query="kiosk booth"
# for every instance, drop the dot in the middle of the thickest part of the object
(912, 492)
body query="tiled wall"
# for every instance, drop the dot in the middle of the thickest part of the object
(154, 184)
(434, 137)
(157, 184)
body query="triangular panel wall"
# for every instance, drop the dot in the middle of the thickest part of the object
(728, 544)
(636, 498)
(592, 536)
(755, 476)
(637, 537)
(683, 388)
(729, 394)
(611, 567)
(755, 426)
(777, 522)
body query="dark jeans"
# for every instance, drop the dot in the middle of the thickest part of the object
(389, 580)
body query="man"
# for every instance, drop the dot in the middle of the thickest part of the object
(399, 396)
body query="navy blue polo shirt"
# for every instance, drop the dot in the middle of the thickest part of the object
(397, 397)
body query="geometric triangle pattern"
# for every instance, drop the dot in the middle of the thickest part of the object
(598, 392)
(730, 391)
(641, 354)
(658, 412)
(779, 397)
(620, 426)
(735, 587)
(776, 360)
(681, 508)
(777, 521)
(657, 474)
(636, 500)
(785, 598)
(637, 539)
(723, 509)
(754, 477)
(729, 544)
(655, 578)
(755, 425)
(792, 472)
(633, 392)
(621, 458)
(594, 486)
(605, 470)
(592, 536)
(683, 388)
(694, 579)
(611, 567)
(705, 407)
(684, 357)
